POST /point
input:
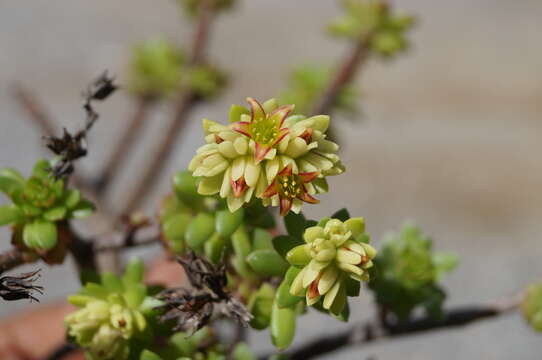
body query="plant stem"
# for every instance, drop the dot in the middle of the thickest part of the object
(130, 134)
(185, 103)
(368, 332)
(346, 71)
(10, 259)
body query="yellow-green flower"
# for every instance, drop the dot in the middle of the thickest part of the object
(251, 155)
(333, 252)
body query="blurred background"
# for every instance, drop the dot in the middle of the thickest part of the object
(450, 135)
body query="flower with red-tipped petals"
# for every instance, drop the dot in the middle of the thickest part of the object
(290, 189)
(265, 129)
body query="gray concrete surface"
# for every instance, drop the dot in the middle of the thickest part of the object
(450, 138)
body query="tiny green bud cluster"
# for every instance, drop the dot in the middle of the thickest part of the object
(374, 20)
(39, 204)
(334, 251)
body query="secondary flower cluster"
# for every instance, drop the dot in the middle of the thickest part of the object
(265, 153)
(334, 251)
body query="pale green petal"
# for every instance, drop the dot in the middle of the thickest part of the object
(331, 294)
(234, 203)
(270, 105)
(261, 186)
(313, 300)
(252, 172)
(367, 265)
(226, 189)
(326, 255)
(297, 285)
(350, 268)
(210, 185)
(312, 233)
(320, 122)
(327, 146)
(310, 275)
(369, 250)
(238, 168)
(272, 169)
(355, 247)
(349, 257)
(271, 154)
(217, 169)
(227, 149)
(297, 147)
(320, 162)
(329, 276)
(355, 225)
(283, 144)
(241, 145)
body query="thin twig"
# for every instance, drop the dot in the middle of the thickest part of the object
(36, 111)
(368, 332)
(186, 102)
(10, 259)
(131, 132)
(346, 72)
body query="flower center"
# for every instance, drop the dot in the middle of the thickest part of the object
(264, 131)
(290, 186)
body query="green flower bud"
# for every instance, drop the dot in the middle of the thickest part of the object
(330, 255)
(110, 314)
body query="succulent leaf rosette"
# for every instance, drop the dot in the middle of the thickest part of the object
(266, 153)
(334, 251)
(111, 314)
(39, 204)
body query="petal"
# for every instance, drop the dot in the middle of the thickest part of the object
(297, 284)
(252, 173)
(326, 254)
(241, 145)
(256, 110)
(217, 169)
(287, 171)
(331, 294)
(312, 233)
(311, 300)
(296, 148)
(242, 128)
(312, 291)
(234, 203)
(272, 169)
(349, 257)
(309, 276)
(270, 105)
(260, 152)
(306, 135)
(308, 176)
(271, 190)
(350, 268)
(281, 135)
(238, 168)
(328, 279)
(239, 186)
(296, 206)
(279, 115)
(306, 197)
(320, 122)
(210, 185)
(285, 206)
(227, 149)
(225, 189)
(261, 186)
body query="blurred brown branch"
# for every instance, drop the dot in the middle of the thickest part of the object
(10, 259)
(185, 103)
(371, 331)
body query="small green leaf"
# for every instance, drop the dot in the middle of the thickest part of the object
(72, 198)
(40, 234)
(185, 186)
(174, 228)
(83, 209)
(10, 181)
(353, 287)
(55, 214)
(445, 262)
(243, 352)
(133, 274)
(267, 263)
(283, 324)
(295, 224)
(262, 239)
(241, 242)
(227, 222)
(41, 169)
(199, 230)
(135, 294)
(214, 247)
(298, 256)
(284, 298)
(284, 243)
(9, 214)
(111, 282)
(342, 215)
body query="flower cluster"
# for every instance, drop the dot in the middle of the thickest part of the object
(334, 251)
(265, 153)
(409, 274)
(374, 20)
(111, 314)
(39, 204)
